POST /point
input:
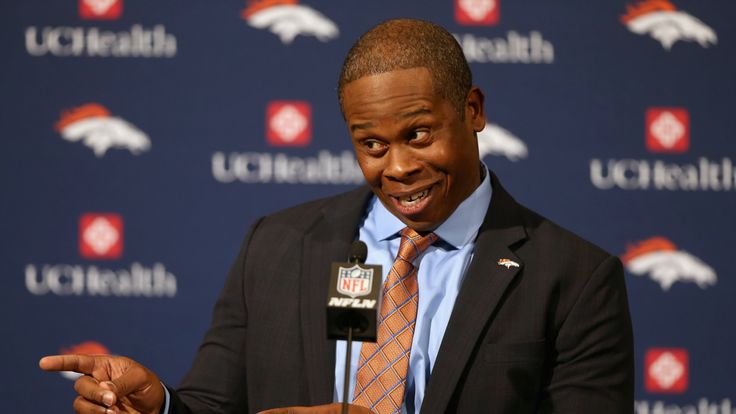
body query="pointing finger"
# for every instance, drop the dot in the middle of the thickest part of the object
(84, 364)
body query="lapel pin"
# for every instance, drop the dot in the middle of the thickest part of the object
(508, 263)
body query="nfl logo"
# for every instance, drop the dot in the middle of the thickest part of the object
(354, 281)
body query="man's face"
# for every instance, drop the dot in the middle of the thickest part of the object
(419, 156)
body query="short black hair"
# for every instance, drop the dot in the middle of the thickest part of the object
(405, 44)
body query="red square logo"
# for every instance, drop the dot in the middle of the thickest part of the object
(666, 370)
(668, 130)
(289, 123)
(477, 12)
(101, 236)
(100, 9)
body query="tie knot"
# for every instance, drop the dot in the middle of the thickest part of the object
(413, 243)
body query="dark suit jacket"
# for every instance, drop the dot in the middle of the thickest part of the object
(553, 335)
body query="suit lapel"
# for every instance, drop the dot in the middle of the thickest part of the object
(483, 287)
(327, 241)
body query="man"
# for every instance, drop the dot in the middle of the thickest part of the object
(499, 310)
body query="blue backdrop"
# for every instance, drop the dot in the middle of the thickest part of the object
(140, 139)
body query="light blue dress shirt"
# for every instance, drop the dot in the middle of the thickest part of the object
(441, 270)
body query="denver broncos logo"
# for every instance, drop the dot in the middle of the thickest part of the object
(659, 258)
(507, 262)
(494, 140)
(661, 20)
(287, 19)
(98, 129)
(85, 348)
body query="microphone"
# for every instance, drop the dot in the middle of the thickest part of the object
(353, 297)
(358, 252)
(353, 304)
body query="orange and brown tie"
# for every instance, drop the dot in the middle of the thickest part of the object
(381, 378)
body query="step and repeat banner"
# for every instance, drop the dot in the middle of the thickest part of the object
(140, 139)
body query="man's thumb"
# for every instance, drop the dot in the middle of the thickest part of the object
(131, 381)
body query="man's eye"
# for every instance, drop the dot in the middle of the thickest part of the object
(419, 135)
(373, 145)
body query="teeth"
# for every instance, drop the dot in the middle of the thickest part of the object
(413, 198)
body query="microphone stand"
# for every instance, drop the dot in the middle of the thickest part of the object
(346, 378)
(358, 255)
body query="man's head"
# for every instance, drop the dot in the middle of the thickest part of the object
(405, 44)
(412, 119)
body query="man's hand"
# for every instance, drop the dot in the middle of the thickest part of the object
(111, 385)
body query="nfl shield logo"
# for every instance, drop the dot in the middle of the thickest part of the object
(354, 281)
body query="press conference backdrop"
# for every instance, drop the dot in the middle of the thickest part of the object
(141, 138)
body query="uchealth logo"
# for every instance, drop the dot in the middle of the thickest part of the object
(660, 260)
(101, 236)
(477, 12)
(100, 9)
(94, 126)
(667, 130)
(661, 20)
(324, 167)
(69, 41)
(666, 370)
(495, 140)
(702, 406)
(288, 19)
(515, 47)
(289, 123)
(84, 348)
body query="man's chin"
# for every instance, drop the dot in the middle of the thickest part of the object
(418, 217)
(418, 223)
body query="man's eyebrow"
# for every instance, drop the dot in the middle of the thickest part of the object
(405, 115)
(364, 125)
(410, 114)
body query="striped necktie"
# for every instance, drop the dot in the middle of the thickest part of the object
(381, 378)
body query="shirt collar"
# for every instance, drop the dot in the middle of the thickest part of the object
(458, 230)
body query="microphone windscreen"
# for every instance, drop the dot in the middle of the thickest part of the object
(358, 252)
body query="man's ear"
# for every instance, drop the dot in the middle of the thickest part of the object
(474, 110)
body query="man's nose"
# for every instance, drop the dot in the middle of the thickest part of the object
(402, 164)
